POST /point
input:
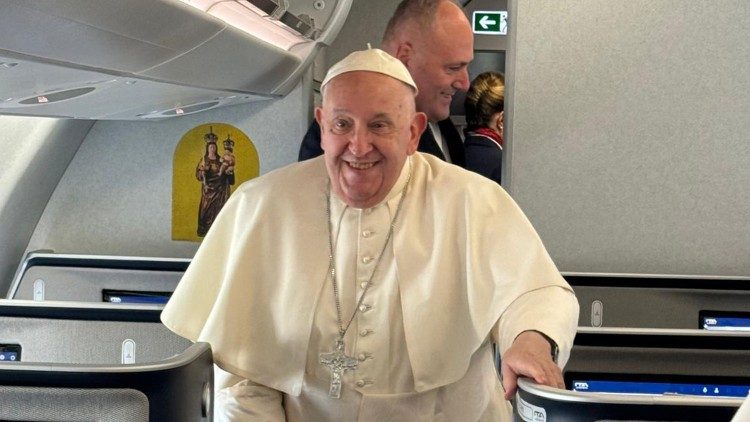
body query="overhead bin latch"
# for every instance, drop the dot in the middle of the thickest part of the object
(271, 7)
(278, 10)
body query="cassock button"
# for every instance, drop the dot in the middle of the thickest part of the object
(365, 332)
(366, 233)
(366, 259)
(362, 357)
(360, 383)
(364, 308)
(364, 284)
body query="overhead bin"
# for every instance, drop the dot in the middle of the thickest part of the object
(154, 59)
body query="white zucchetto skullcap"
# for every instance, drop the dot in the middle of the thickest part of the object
(371, 60)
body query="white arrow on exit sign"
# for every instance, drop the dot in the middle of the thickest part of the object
(490, 22)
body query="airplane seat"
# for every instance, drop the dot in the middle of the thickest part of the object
(176, 389)
(538, 403)
(45, 276)
(679, 344)
(82, 333)
(62, 404)
(76, 356)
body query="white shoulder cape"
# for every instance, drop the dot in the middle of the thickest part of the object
(464, 252)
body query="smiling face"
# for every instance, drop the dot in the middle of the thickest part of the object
(438, 59)
(368, 128)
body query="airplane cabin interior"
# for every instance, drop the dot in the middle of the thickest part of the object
(626, 146)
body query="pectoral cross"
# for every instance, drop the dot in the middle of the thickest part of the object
(338, 362)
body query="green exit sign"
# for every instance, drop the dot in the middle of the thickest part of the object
(490, 22)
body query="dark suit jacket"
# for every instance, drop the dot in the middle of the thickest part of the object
(483, 156)
(311, 143)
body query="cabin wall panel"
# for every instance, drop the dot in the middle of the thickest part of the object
(627, 128)
(35, 154)
(115, 198)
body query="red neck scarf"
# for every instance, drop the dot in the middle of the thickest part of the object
(485, 131)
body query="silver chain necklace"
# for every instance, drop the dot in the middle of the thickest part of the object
(338, 361)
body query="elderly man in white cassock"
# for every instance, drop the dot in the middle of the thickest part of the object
(369, 284)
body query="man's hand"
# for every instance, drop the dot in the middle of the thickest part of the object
(529, 356)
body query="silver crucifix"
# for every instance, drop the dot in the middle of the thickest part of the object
(337, 362)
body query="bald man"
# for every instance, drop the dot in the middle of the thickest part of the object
(433, 39)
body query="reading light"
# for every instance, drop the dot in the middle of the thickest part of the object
(51, 97)
(180, 110)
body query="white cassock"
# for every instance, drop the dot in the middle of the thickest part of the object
(743, 413)
(464, 268)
